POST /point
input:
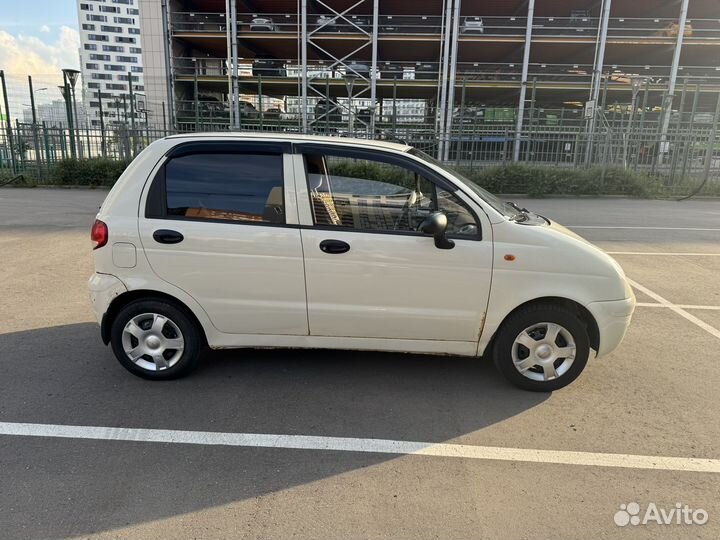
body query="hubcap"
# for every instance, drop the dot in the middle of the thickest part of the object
(543, 351)
(152, 341)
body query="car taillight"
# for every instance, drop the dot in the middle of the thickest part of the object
(99, 234)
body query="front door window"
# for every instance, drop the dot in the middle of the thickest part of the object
(369, 195)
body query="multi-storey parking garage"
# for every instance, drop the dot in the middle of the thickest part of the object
(431, 71)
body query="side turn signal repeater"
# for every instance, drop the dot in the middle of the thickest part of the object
(509, 257)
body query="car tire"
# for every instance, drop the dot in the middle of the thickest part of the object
(530, 358)
(156, 339)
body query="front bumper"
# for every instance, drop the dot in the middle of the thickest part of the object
(104, 288)
(613, 319)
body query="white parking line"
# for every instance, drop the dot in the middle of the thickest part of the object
(642, 228)
(681, 306)
(663, 253)
(380, 446)
(677, 309)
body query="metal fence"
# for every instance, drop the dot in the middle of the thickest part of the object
(624, 135)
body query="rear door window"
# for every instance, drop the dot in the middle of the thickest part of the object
(238, 187)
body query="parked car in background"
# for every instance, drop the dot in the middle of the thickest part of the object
(248, 110)
(473, 25)
(262, 24)
(267, 66)
(327, 23)
(391, 71)
(233, 240)
(272, 113)
(357, 69)
(426, 71)
(364, 115)
(673, 29)
(327, 111)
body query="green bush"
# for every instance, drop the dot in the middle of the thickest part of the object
(538, 181)
(87, 172)
(534, 180)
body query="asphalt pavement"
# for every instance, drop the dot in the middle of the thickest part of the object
(655, 396)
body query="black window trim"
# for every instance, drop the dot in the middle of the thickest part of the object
(156, 203)
(390, 159)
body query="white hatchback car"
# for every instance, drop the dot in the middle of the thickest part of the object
(262, 240)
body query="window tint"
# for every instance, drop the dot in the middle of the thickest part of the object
(227, 187)
(371, 195)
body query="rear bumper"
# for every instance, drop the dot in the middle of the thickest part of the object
(104, 288)
(613, 319)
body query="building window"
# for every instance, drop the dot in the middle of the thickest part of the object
(119, 39)
(90, 47)
(136, 50)
(104, 57)
(98, 37)
(115, 29)
(96, 18)
(113, 48)
(86, 7)
(126, 59)
(109, 9)
(90, 27)
(124, 20)
(92, 66)
(135, 31)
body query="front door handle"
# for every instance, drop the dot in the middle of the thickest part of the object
(166, 236)
(334, 246)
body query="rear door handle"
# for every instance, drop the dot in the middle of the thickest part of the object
(166, 236)
(334, 246)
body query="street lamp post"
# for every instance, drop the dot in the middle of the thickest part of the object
(349, 83)
(65, 91)
(72, 76)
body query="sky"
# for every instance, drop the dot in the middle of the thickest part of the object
(38, 38)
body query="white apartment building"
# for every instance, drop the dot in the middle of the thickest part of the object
(111, 53)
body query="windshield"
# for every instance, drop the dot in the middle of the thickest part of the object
(504, 208)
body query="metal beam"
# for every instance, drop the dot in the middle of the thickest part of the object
(453, 75)
(373, 67)
(235, 67)
(667, 106)
(443, 74)
(523, 79)
(598, 64)
(169, 72)
(304, 64)
(231, 92)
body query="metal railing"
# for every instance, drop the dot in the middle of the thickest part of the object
(470, 26)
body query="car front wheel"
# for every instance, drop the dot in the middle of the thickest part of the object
(542, 347)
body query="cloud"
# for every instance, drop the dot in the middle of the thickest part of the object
(29, 55)
(45, 29)
(22, 55)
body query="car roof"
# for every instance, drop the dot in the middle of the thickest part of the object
(293, 137)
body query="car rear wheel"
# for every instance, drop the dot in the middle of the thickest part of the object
(542, 347)
(155, 339)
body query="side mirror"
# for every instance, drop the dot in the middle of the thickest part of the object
(436, 225)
